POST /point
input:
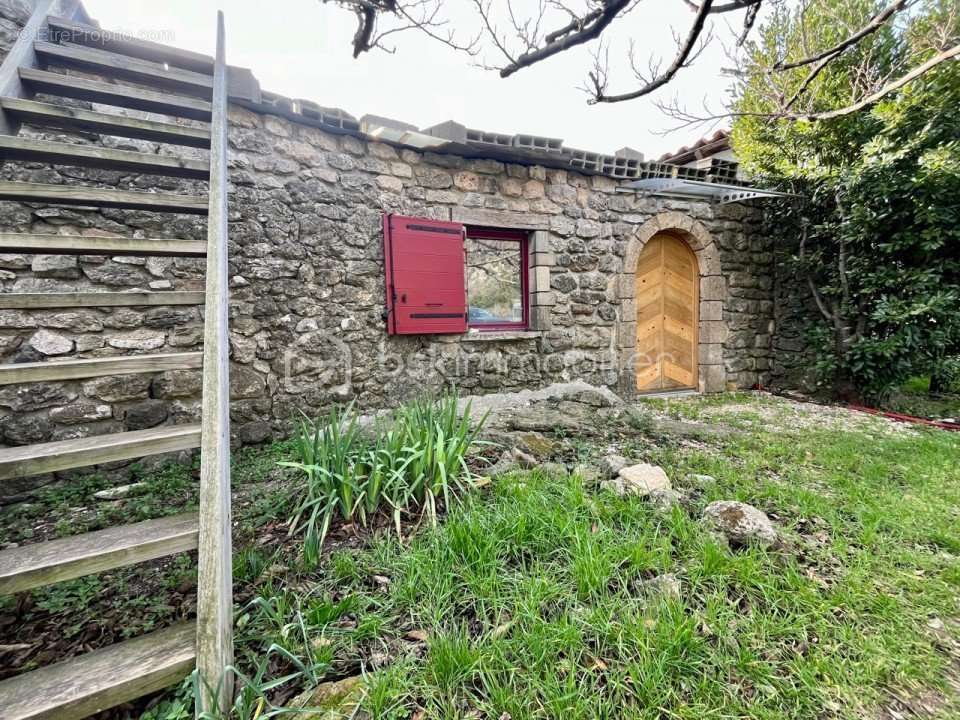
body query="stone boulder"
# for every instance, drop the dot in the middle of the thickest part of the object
(554, 469)
(742, 524)
(666, 587)
(639, 480)
(330, 701)
(613, 464)
(120, 491)
(664, 500)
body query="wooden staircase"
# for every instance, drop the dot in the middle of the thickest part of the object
(182, 85)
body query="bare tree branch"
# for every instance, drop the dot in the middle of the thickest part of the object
(882, 92)
(659, 80)
(687, 118)
(876, 22)
(520, 34)
(577, 32)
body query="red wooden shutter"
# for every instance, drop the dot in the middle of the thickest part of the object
(425, 268)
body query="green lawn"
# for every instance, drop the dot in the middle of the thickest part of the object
(533, 599)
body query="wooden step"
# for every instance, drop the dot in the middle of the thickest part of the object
(56, 370)
(45, 563)
(70, 31)
(41, 81)
(82, 245)
(94, 197)
(79, 120)
(92, 156)
(18, 462)
(125, 67)
(45, 301)
(85, 685)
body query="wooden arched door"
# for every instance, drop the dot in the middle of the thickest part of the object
(667, 297)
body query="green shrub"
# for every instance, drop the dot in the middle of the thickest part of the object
(415, 459)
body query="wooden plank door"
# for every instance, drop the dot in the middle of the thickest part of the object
(667, 298)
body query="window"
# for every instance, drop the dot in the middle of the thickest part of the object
(496, 279)
(442, 277)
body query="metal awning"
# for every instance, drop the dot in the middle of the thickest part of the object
(699, 190)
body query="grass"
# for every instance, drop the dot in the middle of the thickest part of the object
(416, 459)
(536, 604)
(538, 597)
(913, 398)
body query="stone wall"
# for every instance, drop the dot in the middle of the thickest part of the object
(307, 284)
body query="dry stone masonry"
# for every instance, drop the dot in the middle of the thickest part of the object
(307, 287)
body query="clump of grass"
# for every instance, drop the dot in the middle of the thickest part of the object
(416, 460)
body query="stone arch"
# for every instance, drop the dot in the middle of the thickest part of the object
(713, 293)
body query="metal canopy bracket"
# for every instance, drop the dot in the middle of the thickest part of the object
(698, 190)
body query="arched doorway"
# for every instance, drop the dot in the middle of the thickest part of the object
(667, 302)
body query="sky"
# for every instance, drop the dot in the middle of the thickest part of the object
(301, 49)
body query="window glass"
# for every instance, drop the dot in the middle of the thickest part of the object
(494, 281)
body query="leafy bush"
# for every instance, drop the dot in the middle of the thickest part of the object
(870, 241)
(415, 459)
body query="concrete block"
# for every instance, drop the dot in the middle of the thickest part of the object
(536, 143)
(369, 122)
(630, 153)
(449, 130)
(482, 137)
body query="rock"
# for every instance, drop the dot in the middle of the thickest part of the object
(82, 321)
(664, 500)
(523, 459)
(35, 396)
(80, 413)
(120, 491)
(245, 382)
(330, 701)
(701, 480)
(18, 430)
(56, 266)
(588, 473)
(741, 523)
(138, 341)
(177, 383)
(553, 468)
(665, 586)
(505, 464)
(255, 433)
(639, 480)
(167, 317)
(537, 444)
(118, 388)
(146, 414)
(50, 343)
(542, 419)
(114, 273)
(611, 465)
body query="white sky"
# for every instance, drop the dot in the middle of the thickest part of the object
(301, 48)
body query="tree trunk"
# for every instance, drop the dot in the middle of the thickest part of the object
(845, 389)
(938, 385)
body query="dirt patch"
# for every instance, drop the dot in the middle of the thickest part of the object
(784, 415)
